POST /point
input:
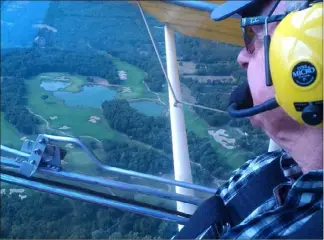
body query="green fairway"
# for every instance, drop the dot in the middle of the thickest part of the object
(194, 123)
(135, 78)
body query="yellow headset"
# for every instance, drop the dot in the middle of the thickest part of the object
(296, 64)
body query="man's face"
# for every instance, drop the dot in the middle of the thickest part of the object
(272, 122)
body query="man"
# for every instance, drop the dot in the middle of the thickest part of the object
(295, 201)
(301, 158)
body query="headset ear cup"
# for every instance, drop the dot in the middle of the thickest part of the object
(242, 96)
(295, 56)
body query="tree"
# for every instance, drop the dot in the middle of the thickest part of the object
(44, 97)
(94, 145)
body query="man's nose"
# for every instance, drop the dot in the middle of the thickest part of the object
(243, 58)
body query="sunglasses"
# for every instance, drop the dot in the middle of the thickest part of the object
(249, 34)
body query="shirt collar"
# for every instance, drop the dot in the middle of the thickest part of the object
(304, 187)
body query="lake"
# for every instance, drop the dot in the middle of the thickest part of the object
(90, 96)
(54, 85)
(149, 108)
(95, 95)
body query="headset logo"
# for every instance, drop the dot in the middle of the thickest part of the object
(304, 74)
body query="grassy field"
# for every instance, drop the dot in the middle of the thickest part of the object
(75, 118)
(195, 123)
(135, 78)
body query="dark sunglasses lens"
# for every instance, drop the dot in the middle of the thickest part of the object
(248, 35)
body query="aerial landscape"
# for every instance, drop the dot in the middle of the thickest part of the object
(88, 69)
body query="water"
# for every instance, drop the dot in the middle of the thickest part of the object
(54, 85)
(90, 96)
(17, 20)
(149, 108)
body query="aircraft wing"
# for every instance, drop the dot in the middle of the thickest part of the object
(192, 18)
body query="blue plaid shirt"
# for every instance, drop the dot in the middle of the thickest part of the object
(291, 205)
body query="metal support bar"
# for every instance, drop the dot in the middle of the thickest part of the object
(109, 183)
(181, 163)
(91, 198)
(94, 158)
(28, 168)
(15, 152)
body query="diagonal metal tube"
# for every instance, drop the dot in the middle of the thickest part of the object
(92, 198)
(14, 152)
(128, 172)
(109, 183)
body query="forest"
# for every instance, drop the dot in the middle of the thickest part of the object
(120, 31)
(13, 105)
(71, 219)
(213, 94)
(156, 132)
(140, 159)
(31, 62)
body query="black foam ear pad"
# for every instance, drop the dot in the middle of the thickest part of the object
(242, 96)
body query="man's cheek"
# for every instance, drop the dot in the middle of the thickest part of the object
(255, 121)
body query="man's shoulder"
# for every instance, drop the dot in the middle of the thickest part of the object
(250, 168)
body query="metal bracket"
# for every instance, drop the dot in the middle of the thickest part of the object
(42, 154)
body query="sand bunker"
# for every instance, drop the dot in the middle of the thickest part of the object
(64, 127)
(16, 190)
(69, 145)
(122, 75)
(93, 119)
(222, 137)
(53, 118)
(62, 78)
(22, 197)
(126, 90)
(23, 138)
(41, 26)
(64, 162)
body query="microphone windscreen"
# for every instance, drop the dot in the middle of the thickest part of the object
(242, 96)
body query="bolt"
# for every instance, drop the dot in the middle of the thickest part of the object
(37, 151)
(32, 161)
(42, 141)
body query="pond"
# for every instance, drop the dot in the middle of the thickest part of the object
(149, 108)
(54, 85)
(90, 96)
